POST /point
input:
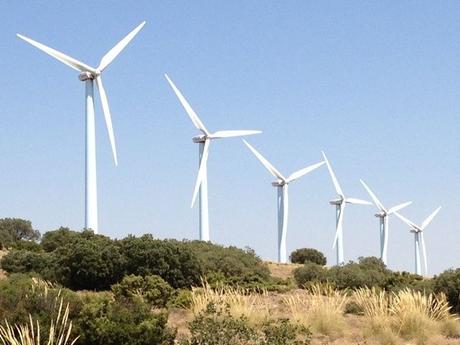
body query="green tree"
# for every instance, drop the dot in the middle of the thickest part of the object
(302, 255)
(16, 229)
(448, 282)
(51, 240)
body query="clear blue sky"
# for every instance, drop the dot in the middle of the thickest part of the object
(374, 84)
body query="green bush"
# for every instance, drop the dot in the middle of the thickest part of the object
(29, 245)
(172, 260)
(302, 255)
(88, 261)
(214, 326)
(229, 265)
(152, 289)
(370, 272)
(52, 240)
(127, 321)
(309, 273)
(181, 298)
(448, 282)
(24, 261)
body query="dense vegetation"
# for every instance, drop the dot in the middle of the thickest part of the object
(121, 291)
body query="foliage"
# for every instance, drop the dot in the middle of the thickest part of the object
(16, 229)
(302, 255)
(52, 240)
(448, 282)
(216, 326)
(152, 289)
(58, 333)
(88, 261)
(309, 273)
(24, 261)
(29, 245)
(172, 260)
(180, 298)
(229, 265)
(366, 272)
(127, 321)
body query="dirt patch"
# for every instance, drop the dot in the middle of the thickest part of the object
(283, 271)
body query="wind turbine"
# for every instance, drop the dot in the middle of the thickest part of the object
(340, 204)
(90, 74)
(419, 240)
(383, 215)
(204, 140)
(282, 184)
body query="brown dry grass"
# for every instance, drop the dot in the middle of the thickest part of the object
(282, 271)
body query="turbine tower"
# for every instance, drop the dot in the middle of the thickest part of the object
(204, 140)
(340, 204)
(383, 215)
(90, 74)
(419, 240)
(282, 200)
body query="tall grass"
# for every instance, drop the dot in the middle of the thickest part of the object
(238, 301)
(407, 313)
(60, 331)
(321, 307)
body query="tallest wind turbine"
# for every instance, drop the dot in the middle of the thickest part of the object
(204, 140)
(90, 74)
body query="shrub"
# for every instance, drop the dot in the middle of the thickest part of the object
(127, 321)
(302, 255)
(216, 326)
(368, 272)
(52, 240)
(29, 245)
(172, 260)
(88, 261)
(181, 298)
(309, 273)
(448, 282)
(152, 289)
(229, 265)
(24, 261)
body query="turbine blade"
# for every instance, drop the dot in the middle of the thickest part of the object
(333, 177)
(355, 201)
(422, 239)
(113, 53)
(399, 207)
(107, 117)
(193, 116)
(407, 221)
(201, 170)
(265, 162)
(339, 229)
(69, 61)
(294, 176)
(373, 197)
(236, 133)
(427, 221)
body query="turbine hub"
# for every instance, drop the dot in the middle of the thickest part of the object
(199, 139)
(84, 76)
(380, 215)
(278, 183)
(336, 202)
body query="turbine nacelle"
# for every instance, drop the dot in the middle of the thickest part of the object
(381, 215)
(199, 139)
(336, 202)
(279, 183)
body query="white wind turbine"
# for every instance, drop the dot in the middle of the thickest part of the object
(340, 204)
(419, 240)
(90, 74)
(282, 200)
(383, 215)
(204, 140)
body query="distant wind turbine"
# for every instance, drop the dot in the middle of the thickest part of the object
(339, 204)
(282, 200)
(419, 240)
(204, 140)
(89, 75)
(383, 215)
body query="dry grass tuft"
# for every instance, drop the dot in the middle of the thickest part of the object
(321, 308)
(238, 301)
(30, 334)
